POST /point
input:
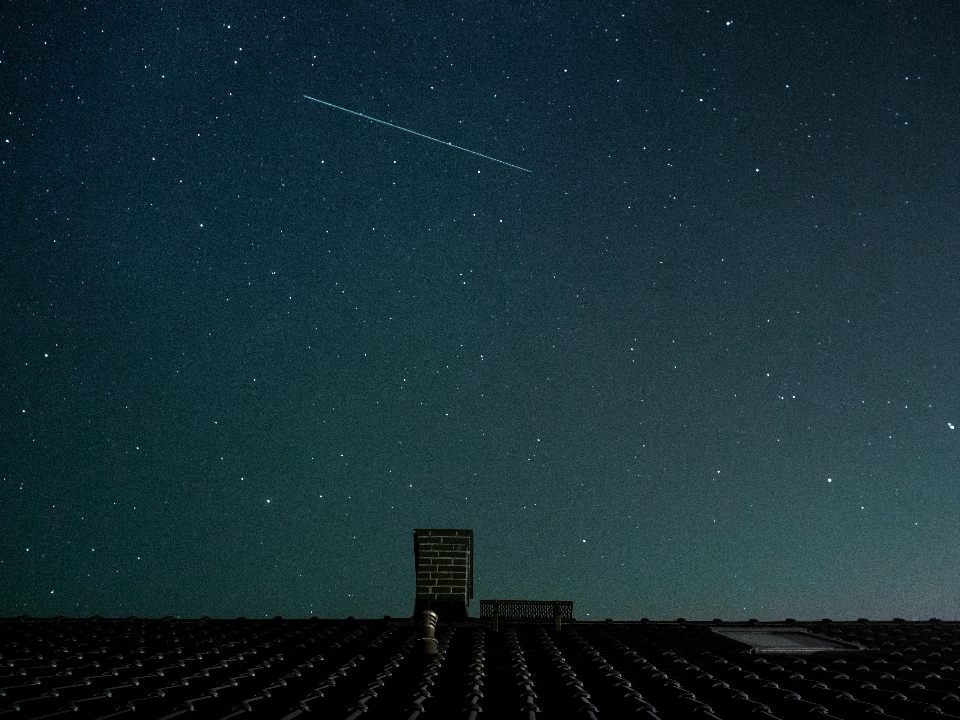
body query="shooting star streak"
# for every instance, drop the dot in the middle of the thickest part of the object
(414, 132)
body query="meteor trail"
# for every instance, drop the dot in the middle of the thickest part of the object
(414, 132)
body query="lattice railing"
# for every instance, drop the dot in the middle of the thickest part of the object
(546, 610)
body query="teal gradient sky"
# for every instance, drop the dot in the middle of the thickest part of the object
(701, 361)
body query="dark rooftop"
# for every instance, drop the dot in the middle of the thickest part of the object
(136, 668)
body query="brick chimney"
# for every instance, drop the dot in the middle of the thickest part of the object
(444, 561)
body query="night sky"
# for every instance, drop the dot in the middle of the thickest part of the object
(703, 360)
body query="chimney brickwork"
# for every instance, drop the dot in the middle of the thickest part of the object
(444, 563)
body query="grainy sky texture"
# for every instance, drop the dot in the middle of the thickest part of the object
(703, 360)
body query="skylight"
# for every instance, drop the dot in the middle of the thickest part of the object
(783, 640)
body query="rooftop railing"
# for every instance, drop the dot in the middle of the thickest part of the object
(526, 611)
